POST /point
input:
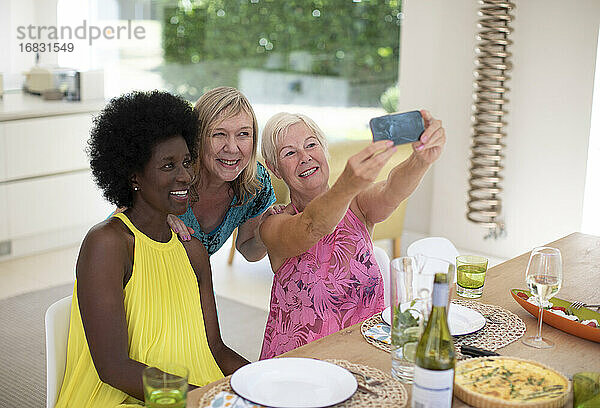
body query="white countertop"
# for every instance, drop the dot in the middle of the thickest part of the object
(18, 105)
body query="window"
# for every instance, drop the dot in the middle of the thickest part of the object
(340, 54)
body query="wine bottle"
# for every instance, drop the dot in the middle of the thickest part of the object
(435, 356)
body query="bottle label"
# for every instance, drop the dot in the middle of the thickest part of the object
(440, 294)
(432, 388)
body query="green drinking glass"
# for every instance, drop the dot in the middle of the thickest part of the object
(586, 390)
(470, 275)
(166, 387)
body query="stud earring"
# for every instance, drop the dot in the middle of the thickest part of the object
(136, 188)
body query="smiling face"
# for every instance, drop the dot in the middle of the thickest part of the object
(301, 161)
(164, 182)
(229, 146)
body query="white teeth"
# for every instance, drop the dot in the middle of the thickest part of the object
(308, 172)
(180, 192)
(228, 162)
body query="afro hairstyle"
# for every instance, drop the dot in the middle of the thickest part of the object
(127, 130)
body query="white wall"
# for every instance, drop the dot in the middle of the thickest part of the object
(45, 15)
(13, 62)
(15, 13)
(4, 33)
(548, 128)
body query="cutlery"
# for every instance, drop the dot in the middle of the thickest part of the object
(476, 351)
(367, 390)
(578, 305)
(490, 319)
(368, 380)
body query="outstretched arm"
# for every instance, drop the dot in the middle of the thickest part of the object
(379, 201)
(287, 235)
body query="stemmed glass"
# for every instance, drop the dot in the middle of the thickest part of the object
(544, 277)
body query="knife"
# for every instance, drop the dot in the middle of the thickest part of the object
(476, 351)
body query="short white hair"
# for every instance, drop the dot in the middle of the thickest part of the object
(276, 129)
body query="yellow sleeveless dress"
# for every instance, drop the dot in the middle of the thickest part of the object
(164, 324)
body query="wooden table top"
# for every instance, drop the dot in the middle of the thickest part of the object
(571, 354)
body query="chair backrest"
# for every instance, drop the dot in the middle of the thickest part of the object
(435, 247)
(383, 260)
(57, 332)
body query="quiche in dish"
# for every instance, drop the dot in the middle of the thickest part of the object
(490, 382)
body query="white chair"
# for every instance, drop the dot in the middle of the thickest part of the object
(434, 247)
(383, 260)
(57, 332)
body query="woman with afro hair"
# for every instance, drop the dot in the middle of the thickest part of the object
(142, 297)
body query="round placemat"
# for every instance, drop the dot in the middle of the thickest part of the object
(390, 393)
(376, 319)
(502, 328)
(208, 396)
(367, 324)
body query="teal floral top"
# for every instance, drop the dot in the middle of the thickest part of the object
(235, 216)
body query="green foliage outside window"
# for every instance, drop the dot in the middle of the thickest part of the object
(206, 42)
(389, 99)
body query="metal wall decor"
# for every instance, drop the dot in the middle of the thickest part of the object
(492, 65)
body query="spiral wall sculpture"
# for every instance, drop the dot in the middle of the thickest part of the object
(492, 64)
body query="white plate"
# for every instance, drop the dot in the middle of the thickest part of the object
(293, 383)
(461, 320)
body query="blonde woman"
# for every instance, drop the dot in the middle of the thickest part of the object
(231, 189)
(320, 248)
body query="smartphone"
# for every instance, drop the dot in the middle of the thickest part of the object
(401, 128)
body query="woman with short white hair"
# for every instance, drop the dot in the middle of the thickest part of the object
(320, 247)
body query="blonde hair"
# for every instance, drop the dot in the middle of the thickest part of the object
(213, 107)
(276, 129)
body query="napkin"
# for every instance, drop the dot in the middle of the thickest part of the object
(229, 400)
(586, 390)
(381, 332)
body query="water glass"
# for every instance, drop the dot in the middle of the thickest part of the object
(166, 388)
(409, 294)
(411, 284)
(470, 270)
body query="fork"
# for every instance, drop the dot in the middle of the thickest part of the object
(368, 380)
(366, 390)
(578, 305)
(491, 319)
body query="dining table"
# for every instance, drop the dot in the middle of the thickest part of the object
(570, 355)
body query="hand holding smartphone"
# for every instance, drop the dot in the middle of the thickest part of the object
(401, 128)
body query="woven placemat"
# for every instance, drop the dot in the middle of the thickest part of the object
(391, 393)
(367, 324)
(502, 328)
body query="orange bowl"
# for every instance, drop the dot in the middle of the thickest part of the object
(562, 323)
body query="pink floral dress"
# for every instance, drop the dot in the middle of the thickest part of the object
(333, 285)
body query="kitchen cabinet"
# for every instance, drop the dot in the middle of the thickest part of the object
(3, 225)
(47, 195)
(36, 147)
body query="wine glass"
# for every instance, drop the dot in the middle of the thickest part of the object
(544, 277)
